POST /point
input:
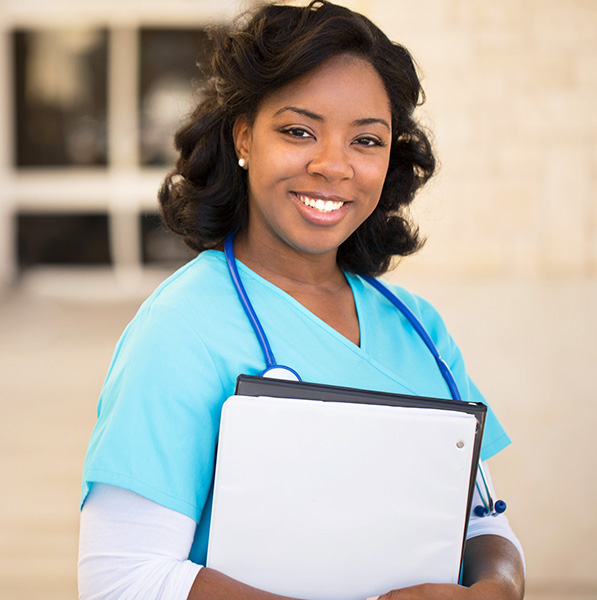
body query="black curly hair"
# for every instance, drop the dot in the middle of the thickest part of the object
(205, 196)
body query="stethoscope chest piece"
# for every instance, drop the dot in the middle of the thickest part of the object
(281, 372)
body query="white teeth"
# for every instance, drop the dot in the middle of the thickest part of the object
(320, 205)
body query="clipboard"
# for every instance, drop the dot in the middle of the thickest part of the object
(331, 493)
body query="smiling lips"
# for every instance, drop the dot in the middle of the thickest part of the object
(323, 206)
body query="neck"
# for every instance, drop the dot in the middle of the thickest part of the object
(289, 269)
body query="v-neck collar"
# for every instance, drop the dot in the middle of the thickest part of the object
(352, 282)
(357, 285)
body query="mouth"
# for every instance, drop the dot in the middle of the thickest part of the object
(320, 205)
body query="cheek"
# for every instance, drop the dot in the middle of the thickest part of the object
(373, 177)
(274, 164)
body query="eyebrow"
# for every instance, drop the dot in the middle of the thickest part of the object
(316, 117)
(361, 122)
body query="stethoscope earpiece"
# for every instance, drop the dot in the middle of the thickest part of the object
(498, 508)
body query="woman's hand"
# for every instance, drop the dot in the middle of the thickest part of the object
(448, 591)
(430, 591)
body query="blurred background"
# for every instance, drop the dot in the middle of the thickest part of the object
(90, 95)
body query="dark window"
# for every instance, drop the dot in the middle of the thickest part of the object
(60, 87)
(63, 239)
(170, 83)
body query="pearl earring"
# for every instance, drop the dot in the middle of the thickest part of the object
(242, 163)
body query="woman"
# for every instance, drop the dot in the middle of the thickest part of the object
(305, 149)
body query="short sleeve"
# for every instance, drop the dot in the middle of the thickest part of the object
(158, 413)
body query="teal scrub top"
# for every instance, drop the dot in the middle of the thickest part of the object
(178, 360)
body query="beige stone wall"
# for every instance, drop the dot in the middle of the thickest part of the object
(512, 96)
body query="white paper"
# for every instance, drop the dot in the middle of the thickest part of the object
(339, 501)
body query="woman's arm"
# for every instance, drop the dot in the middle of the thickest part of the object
(131, 547)
(492, 571)
(214, 585)
(493, 568)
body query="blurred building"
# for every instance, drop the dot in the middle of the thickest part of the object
(90, 97)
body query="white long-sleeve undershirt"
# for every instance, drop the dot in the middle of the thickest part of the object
(133, 548)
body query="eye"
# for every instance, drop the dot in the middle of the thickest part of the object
(298, 133)
(369, 142)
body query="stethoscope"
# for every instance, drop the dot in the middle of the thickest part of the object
(278, 371)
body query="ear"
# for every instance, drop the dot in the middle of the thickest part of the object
(241, 134)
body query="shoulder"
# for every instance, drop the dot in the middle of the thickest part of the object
(421, 308)
(200, 280)
(181, 319)
(391, 310)
(171, 344)
(190, 296)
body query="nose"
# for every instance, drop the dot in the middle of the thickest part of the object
(330, 160)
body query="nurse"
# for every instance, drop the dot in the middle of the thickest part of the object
(305, 147)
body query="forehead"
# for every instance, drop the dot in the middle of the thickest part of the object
(344, 86)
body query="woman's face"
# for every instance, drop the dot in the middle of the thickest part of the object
(317, 155)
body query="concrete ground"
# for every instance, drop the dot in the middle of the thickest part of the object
(528, 344)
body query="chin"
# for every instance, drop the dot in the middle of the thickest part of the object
(316, 245)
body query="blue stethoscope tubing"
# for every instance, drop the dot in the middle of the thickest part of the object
(274, 369)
